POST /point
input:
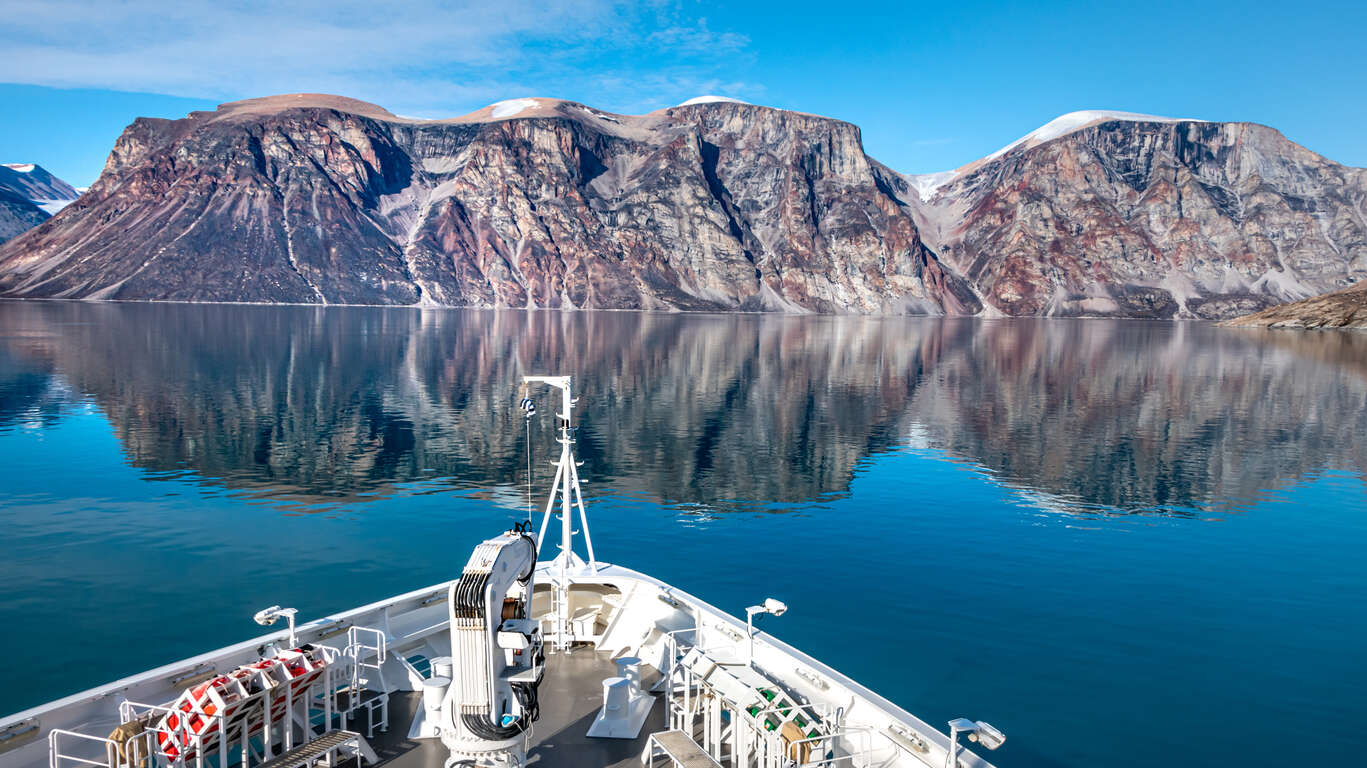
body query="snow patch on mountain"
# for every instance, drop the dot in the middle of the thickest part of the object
(710, 99)
(601, 115)
(510, 107)
(1076, 121)
(51, 207)
(20, 167)
(925, 184)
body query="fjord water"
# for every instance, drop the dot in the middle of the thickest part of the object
(1123, 543)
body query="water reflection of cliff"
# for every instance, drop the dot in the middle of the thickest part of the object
(334, 403)
(1141, 416)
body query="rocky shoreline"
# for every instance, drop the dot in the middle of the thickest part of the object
(1344, 309)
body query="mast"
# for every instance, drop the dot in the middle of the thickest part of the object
(566, 485)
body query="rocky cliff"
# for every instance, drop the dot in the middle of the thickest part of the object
(1122, 214)
(1345, 308)
(535, 203)
(708, 206)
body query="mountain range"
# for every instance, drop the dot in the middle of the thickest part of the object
(29, 195)
(710, 205)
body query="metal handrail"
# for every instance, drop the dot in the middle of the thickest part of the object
(354, 649)
(135, 751)
(379, 648)
(869, 732)
(675, 642)
(845, 733)
(860, 737)
(56, 756)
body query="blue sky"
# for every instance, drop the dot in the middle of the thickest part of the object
(932, 86)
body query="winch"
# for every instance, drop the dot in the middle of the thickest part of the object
(496, 655)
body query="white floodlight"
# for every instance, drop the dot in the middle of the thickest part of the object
(983, 733)
(988, 736)
(770, 606)
(269, 616)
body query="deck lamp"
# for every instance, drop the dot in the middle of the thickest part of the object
(775, 607)
(269, 616)
(980, 732)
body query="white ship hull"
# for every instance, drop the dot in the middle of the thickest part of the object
(877, 732)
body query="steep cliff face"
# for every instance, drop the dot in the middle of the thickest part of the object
(534, 203)
(1130, 215)
(709, 206)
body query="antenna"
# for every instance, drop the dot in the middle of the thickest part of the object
(566, 485)
(528, 411)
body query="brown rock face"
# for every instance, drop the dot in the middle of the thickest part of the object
(1152, 219)
(1340, 309)
(319, 200)
(716, 206)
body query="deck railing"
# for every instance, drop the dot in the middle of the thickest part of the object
(740, 739)
(244, 735)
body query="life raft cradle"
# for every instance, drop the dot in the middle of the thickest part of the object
(215, 711)
(235, 720)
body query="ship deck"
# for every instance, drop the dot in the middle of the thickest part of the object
(570, 696)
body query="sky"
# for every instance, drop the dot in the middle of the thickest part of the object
(932, 86)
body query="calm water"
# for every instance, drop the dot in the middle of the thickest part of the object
(1120, 542)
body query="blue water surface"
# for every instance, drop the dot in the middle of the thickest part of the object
(1122, 543)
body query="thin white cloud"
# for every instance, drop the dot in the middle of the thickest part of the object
(420, 57)
(698, 38)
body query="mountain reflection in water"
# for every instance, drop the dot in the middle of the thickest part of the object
(959, 498)
(324, 406)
